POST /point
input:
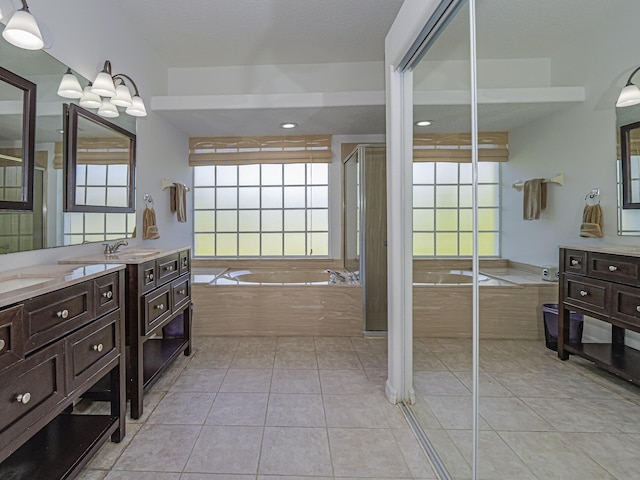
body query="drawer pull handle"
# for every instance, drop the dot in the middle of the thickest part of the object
(108, 294)
(98, 348)
(160, 306)
(575, 262)
(2, 344)
(612, 268)
(23, 398)
(638, 308)
(149, 276)
(170, 268)
(182, 292)
(583, 293)
(63, 313)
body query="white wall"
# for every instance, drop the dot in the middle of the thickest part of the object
(84, 34)
(579, 141)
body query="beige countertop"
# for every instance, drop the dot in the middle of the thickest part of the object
(516, 276)
(24, 283)
(614, 249)
(126, 255)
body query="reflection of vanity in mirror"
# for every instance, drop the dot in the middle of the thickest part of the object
(48, 224)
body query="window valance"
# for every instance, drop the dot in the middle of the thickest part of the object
(456, 147)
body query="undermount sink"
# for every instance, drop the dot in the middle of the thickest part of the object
(20, 281)
(134, 254)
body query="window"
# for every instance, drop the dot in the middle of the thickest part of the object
(261, 210)
(442, 209)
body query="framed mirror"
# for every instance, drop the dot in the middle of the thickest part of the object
(630, 156)
(17, 141)
(99, 164)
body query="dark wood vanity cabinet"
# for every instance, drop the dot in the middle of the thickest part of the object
(158, 303)
(604, 286)
(55, 348)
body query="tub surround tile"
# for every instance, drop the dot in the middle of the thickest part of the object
(295, 451)
(247, 381)
(245, 409)
(366, 453)
(226, 449)
(295, 410)
(295, 381)
(151, 452)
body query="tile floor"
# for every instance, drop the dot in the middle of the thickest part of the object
(540, 418)
(268, 408)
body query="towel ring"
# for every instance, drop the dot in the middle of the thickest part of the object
(149, 199)
(593, 195)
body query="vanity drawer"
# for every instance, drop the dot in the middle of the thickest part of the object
(157, 308)
(181, 291)
(575, 261)
(168, 268)
(91, 349)
(148, 276)
(185, 262)
(617, 268)
(625, 306)
(587, 293)
(11, 344)
(107, 293)
(50, 316)
(29, 390)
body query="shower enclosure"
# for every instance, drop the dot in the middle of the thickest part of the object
(365, 229)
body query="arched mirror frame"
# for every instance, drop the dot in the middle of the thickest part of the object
(72, 113)
(28, 140)
(628, 201)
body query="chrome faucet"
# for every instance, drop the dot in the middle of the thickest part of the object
(335, 274)
(111, 248)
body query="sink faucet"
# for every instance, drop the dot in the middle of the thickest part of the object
(336, 274)
(111, 248)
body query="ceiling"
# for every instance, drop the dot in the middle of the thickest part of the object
(207, 33)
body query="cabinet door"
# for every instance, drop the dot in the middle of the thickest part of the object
(11, 342)
(50, 316)
(168, 268)
(107, 293)
(185, 262)
(181, 291)
(92, 349)
(587, 294)
(148, 275)
(157, 308)
(29, 390)
(625, 307)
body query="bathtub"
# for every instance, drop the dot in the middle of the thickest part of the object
(452, 277)
(257, 302)
(443, 305)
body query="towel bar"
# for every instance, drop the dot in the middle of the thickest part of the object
(559, 179)
(167, 184)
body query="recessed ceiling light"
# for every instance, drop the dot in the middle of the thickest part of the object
(423, 123)
(288, 125)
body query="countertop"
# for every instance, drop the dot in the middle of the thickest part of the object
(614, 249)
(133, 256)
(17, 285)
(518, 277)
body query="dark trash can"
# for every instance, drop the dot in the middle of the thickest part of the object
(576, 322)
(175, 328)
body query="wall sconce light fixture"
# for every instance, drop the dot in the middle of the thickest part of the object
(630, 94)
(22, 30)
(106, 93)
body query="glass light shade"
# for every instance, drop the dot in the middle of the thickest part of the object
(90, 99)
(137, 109)
(122, 98)
(70, 86)
(1, 16)
(22, 31)
(103, 85)
(108, 110)
(630, 95)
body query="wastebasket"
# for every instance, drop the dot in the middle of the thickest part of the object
(576, 322)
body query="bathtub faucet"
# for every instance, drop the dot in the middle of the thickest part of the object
(335, 275)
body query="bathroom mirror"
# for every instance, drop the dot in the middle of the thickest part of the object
(47, 225)
(99, 164)
(17, 141)
(630, 164)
